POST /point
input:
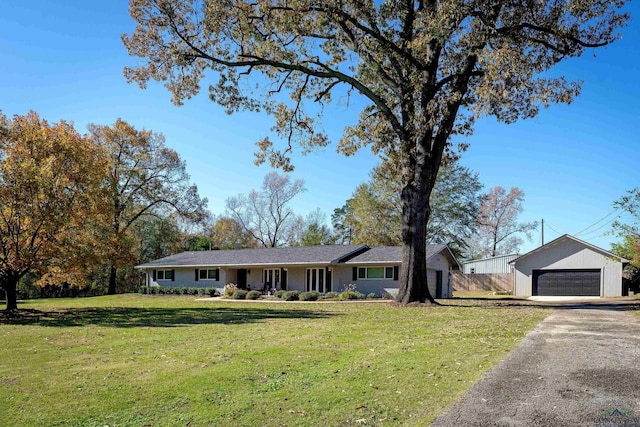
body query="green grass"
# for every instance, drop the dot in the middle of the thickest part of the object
(134, 360)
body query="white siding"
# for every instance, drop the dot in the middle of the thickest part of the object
(569, 254)
(186, 277)
(489, 265)
(343, 275)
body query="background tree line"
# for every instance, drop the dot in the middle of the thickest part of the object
(80, 211)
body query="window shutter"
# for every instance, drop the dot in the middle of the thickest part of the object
(217, 274)
(197, 277)
(354, 275)
(154, 275)
(395, 272)
(173, 275)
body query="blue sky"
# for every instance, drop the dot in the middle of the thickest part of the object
(65, 60)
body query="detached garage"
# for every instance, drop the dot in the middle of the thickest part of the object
(568, 267)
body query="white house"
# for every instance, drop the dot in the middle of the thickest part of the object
(305, 268)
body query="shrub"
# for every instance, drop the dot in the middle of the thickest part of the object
(350, 295)
(291, 296)
(213, 292)
(254, 295)
(239, 294)
(331, 295)
(279, 294)
(309, 296)
(372, 295)
(229, 289)
(143, 290)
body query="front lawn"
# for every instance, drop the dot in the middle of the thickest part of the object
(133, 360)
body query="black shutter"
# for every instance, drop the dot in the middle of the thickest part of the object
(328, 280)
(173, 275)
(154, 275)
(217, 274)
(354, 275)
(197, 276)
(395, 272)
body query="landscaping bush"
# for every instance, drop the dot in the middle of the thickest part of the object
(372, 295)
(144, 290)
(279, 294)
(239, 294)
(350, 295)
(331, 295)
(213, 292)
(291, 296)
(229, 289)
(254, 295)
(309, 296)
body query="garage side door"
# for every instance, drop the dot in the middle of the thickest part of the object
(566, 282)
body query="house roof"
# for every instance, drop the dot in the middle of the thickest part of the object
(295, 255)
(566, 237)
(393, 254)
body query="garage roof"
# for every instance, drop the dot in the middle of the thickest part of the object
(568, 237)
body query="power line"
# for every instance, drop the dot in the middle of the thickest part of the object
(553, 229)
(598, 221)
(599, 228)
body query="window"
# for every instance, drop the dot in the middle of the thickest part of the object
(208, 274)
(165, 274)
(375, 273)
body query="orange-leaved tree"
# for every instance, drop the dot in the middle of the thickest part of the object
(49, 175)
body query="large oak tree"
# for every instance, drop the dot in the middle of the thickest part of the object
(144, 178)
(49, 175)
(425, 68)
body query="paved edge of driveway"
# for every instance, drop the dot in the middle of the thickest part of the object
(579, 364)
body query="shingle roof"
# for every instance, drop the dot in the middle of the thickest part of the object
(575, 239)
(264, 256)
(389, 254)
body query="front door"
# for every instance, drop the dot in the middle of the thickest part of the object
(242, 278)
(271, 278)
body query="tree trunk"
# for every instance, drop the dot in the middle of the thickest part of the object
(415, 214)
(113, 275)
(10, 287)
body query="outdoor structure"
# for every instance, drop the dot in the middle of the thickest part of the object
(568, 266)
(304, 268)
(497, 264)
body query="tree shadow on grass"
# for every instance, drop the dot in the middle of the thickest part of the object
(132, 317)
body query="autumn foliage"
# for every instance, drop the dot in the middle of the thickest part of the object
(48, 173)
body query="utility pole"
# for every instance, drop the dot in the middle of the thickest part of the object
(542, 232)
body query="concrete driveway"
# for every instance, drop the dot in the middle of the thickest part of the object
(579, 367)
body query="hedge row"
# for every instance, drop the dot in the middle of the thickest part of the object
(173, 290)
